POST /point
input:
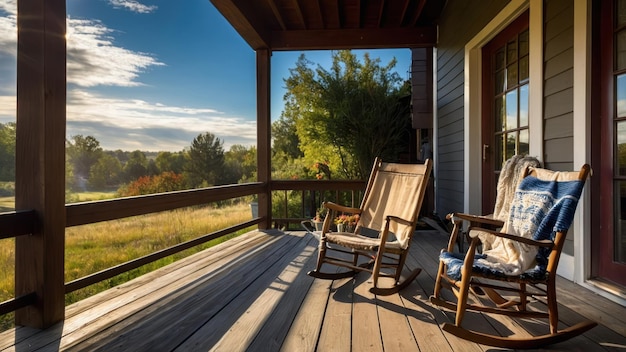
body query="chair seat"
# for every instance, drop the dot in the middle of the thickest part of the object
(454, 263)
(352, 240)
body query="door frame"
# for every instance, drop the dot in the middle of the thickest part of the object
(472, 202)
(489, 178)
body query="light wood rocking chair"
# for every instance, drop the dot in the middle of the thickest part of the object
(386, 221)
(540, 214)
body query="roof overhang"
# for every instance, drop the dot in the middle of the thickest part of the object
(280, 25)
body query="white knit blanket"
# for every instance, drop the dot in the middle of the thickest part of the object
(507, 184)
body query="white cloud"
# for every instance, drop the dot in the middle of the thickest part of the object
(8, 28)
(9, 6)
(93, 59)
(133, 6)
(137, 124)
(8, 106)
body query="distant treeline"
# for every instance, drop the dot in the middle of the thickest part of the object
(90, 168)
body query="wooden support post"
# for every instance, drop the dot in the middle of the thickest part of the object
(40, 158)
(264, 125)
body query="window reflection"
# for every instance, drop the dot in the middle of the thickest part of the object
(620, 87)
(511, 110)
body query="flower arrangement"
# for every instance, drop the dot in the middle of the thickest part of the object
(346, 222)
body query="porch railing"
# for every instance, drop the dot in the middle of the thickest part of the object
(307, 194)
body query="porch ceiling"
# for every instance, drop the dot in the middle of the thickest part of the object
(333, 24)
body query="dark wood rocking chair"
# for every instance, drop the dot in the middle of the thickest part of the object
(386, 221)
(540, 214)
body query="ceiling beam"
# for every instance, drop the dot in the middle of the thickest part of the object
(414, 37)
(246, 27)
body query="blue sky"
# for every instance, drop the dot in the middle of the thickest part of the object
(153, 74)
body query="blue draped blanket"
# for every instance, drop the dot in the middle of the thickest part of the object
(539, 209)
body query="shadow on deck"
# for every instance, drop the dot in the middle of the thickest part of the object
(252, 293)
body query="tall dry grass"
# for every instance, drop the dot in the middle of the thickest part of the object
(95, 247)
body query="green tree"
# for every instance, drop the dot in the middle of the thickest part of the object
(239, 164)
(205, 161)
(82, 153)
(7, 151)
(285, 141)
(348, 115)
(105, 172)
(168, 161)
(136, 166)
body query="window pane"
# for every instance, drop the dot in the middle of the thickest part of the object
(620, 87)
(523, 106)
(499, 58)
(499, 114)
(511, 110)
(621, 148)
(511, 75)
(621, 13)
(523, 148)
(510, 145)
(523, 68)
(523, 43)
(620, 50)
(511, 51)
(499, 82)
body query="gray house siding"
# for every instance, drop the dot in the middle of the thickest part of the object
(558, 84)
(559, 89)
(460, 22)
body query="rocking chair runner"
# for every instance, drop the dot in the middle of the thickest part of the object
(387, 218)
(524, 265)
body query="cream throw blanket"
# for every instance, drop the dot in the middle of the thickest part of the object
(504, 254)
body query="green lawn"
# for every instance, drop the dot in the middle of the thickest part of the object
(7, 203)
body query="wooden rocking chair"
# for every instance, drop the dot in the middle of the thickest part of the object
(386, 222)
(540, 214)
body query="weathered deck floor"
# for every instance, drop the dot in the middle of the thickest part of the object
(252, 293)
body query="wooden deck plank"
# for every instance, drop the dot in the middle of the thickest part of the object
(394, 327)
(256, 296)
(252, 309)
(337, 325)
(272, 334)
(144, 305)
(366, 335)
(305, 330)
(421, 318)
(173, 319)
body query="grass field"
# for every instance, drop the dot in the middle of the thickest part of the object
(7, 203)
(95, 247)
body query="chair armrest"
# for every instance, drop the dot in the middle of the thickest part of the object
(342, 208)
(398, 219)
(529, 241)
(481, 219)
